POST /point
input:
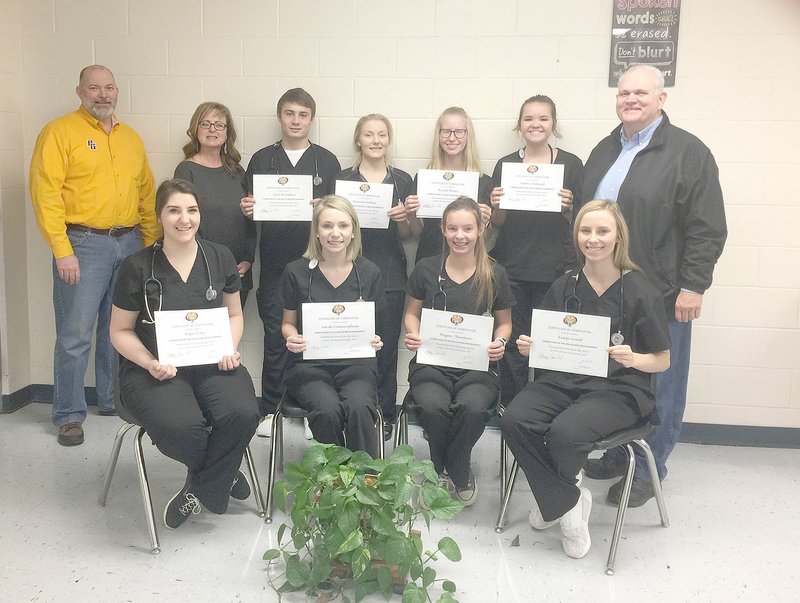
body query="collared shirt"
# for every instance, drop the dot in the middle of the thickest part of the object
(82, 175)
(610, 184)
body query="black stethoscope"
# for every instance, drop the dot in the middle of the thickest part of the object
(441, 280)
(317, 178)
(616, 338)
(312, 266)
(211, 293)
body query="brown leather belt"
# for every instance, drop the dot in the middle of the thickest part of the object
(115, 231)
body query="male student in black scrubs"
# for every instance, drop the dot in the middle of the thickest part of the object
(282, 242)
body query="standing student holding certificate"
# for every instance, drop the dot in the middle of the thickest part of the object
(551, 424)
(453, 404)
(535, 247)
(282, 242)
(201, 416)
(212, 165)
(340, 395)
(454, 148)
(372, 137)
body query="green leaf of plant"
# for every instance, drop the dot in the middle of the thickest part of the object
(287, 588)
(449, 586)
(361, 562)
(271, 554)
(347, 518)
(449, 549)
(346, 474)
(445, 507)
(383, 522)
(403, 493)
(295, 474)
(364, 589)
(402, 454)
(384, 576)
(428, 576)
(280, 492)
(414, 594)
(337, 455)
(415, 571)
(297, 572)
(281, 531)
(328, 475)
(398, 550)
(359, 460)
(446, 597)
(315, 457)
(367, 496)
(354, 540)
(320, 570)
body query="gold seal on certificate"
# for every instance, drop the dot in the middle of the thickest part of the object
(570, 342)
(532, 186)
(334, 330)
(437, 188)
(193, 337)
(370, 200)
(455, 339)
(282, 198)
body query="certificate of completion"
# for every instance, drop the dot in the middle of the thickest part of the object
(335, 330)
(454, 339)
(532, 186)
(193, 337)
(282, 198)
(569, 342)
(437, 188)
(371, 201)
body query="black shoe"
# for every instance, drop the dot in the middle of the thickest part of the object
(240, 490)
(387, 431)
(603, 468)
(641, 492)
(178, 509)
(107, 412)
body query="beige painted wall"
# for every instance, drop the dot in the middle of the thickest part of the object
(409, 60)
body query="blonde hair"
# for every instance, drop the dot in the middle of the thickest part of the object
(621, 258)
(484, 275)
(229, 155)
(471, 160)
(357, 133)
(314, 249)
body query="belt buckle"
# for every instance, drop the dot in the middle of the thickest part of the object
(114, 231)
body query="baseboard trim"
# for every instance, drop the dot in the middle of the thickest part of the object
(740, 435)
(37, 392)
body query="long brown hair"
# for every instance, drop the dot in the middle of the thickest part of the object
(484, 275)
(229, 155)
(622, 260)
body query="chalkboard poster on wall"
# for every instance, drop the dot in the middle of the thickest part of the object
(644, 31)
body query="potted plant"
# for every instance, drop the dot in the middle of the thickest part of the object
(353, 516)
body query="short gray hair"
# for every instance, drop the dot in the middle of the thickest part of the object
(653, 70)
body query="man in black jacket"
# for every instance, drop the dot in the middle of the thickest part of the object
(667, 184)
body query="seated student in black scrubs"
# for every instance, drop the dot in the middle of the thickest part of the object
(535, 247)
(282, 242)
(455, 147)
(551, 424)
(454, 405)
(201, 416)
(372, 139)
(340, 395)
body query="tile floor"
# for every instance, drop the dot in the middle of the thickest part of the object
(734, 534)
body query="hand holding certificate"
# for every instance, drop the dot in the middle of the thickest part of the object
(334, 330)
(193, 337)
(371, 201)
(570, 342)
(282, 198)
(532, 186)
(437, 188)
(455, 340)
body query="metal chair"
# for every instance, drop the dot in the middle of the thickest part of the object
(289, 408)
(138, 452)
(628, 438)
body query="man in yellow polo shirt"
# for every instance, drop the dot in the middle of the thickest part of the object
(94, 199)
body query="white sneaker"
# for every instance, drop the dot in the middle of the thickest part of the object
(537, 521)
(469, 493)
(264, 429)
(307, 429)
(579, 478)
(575, 538)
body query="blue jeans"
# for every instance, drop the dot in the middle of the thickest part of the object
(670, 403)
(78, 308)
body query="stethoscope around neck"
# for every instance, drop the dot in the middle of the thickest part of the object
(314, 264)
(211, 293)
(575, 302)
(273, 168)
(441, 280)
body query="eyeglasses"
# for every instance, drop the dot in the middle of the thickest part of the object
(217, 125)
(445, 133)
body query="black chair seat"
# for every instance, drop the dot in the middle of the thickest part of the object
(623, 436)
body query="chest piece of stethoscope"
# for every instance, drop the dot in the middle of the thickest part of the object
(317, 180)
(617, 338)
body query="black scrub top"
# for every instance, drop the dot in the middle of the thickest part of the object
(282, 242)
(294, 292)
(431, 241)
(423, 284)
(537, 245)
(384, 246)
(175, 294)
(644, 326)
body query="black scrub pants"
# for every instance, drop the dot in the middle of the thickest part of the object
(203, 418)
(551, 430)
(453, 407)
(387, 356)
(270, 309)
(341, 403)
(513, 365)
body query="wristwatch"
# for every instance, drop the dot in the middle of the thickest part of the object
(502, 340)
